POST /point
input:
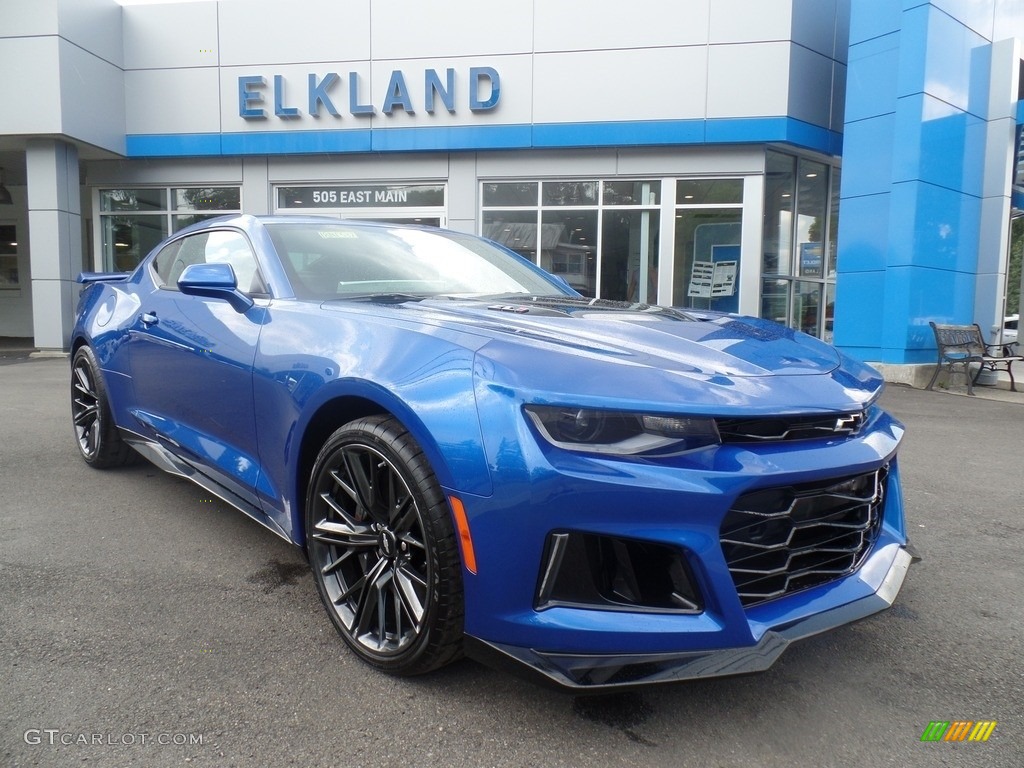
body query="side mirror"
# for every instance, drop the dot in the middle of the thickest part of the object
(214, 281)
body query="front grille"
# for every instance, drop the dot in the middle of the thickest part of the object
(777, 428)
(777, 541)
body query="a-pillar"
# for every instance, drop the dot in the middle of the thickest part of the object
(55, 239)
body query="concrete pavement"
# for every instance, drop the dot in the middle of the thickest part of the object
(135, 608)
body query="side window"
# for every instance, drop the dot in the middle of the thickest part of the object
(211, 248)
(232, 248)
(165, 260)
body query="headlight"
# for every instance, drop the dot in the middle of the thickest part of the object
(621, 433)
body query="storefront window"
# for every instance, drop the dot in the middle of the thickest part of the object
(708, 230)
(707, 258)
(133, 221)
(9, 278)
(516, 230)
(779, 196)
(600, 236)
(511, 194)
(629, 245)
(569, 248)
(189, 203)
(709, 191)
(799, 258)
(128, 238)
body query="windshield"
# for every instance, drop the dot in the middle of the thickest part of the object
(327, 261)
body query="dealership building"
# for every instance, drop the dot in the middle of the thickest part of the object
(845, 167)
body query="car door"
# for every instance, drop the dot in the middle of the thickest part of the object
(191, 362)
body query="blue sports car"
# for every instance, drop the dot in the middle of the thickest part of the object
(479, 461)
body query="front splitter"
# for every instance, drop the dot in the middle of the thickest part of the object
(594, 673)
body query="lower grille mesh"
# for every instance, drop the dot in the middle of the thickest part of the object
(780, 540)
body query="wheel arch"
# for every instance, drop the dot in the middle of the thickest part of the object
(343, 408)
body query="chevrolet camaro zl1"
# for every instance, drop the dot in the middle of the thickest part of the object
(477, 460)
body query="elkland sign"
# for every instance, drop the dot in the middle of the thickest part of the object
(429, 91)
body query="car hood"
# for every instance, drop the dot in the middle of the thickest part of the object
(635, 356)
(638, 334)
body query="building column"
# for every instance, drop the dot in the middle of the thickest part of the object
(55, 232)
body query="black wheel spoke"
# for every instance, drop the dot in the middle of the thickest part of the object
(362, 484)
(86, 414)
(403, 516)
(344, 535)
(369, 606)
(406, 586)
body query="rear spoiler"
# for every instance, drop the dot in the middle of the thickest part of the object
(85, 278)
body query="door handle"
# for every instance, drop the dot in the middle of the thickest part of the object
(150, 319)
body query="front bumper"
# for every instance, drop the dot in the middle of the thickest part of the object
(602, 672)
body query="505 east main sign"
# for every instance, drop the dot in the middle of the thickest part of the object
(431, 91)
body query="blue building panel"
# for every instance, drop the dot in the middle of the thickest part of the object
(911, 208)
(871, 142)
(939, 228)
(870, 88)
(864, 232)
(938, 144)
(758, 130)
(862, 321)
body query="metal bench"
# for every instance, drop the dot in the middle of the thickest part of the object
(963, 345)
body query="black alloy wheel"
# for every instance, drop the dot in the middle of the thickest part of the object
(382, 548)
(97, 437)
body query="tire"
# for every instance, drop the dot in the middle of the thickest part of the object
(96, 435)
(383, 550)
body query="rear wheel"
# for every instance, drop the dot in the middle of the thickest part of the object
(383, 550)
(95, 432)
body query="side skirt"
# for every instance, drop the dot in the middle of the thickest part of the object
(174, 464)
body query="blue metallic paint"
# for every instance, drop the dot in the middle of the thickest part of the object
(238, 395)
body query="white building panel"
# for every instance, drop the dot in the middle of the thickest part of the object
(748, 80)
(814, 27)
(810, 86)
(743, 21)
(172, 101)
(94, 25)
(23, 18)
(271, 32)
(30, 84)
(838, 115)
(413, 167)
(561, 163)
(416, 30)
(92, 98)
(601, 86)
(172, 35)
(570, 25)
(698, 161)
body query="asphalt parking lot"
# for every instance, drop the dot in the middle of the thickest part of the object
(145, 624)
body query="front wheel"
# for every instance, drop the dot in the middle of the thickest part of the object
(383, 550)
(97, 437)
